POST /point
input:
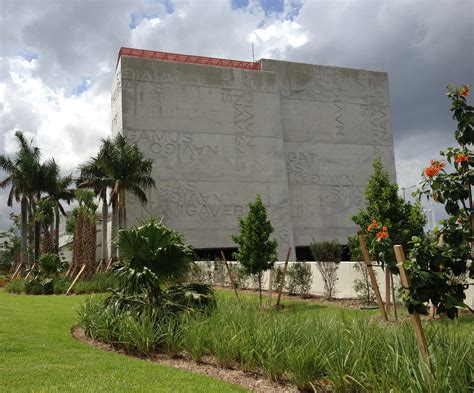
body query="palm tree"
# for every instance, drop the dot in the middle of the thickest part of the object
(58, 188)
(130, 170)
(123, 168)
(44, 213)
(22, 173)
(93, 177)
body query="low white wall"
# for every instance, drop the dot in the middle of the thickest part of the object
(345, 285)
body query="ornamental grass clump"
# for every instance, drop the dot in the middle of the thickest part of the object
(303, 343)
(144, 311)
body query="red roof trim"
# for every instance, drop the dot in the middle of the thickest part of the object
(212, 61)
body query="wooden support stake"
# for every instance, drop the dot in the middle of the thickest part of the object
(415, 318)
(16, 271)
(282, 283)
(77, 277)
(373, 279)
(230, 276)
(387, 291)
(109, 264)
(99, 265)
(270, 287)
(32, 267)
(68, 271)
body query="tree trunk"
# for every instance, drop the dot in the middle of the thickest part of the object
(122, 218)
(105, 214)
(113, 242)
(24, 231)
(77, 251)
(56, 229)
(260, 287)
(31, 234)
(47, 243)
(37, 240)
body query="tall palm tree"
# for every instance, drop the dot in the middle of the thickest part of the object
(22, 173)
(44, 213)
(92, 176)
(131, 171)
(123, 168)
(58, 188)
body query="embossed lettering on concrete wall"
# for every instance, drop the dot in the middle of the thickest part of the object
(302, 136)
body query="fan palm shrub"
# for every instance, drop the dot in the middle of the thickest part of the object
(152, 254)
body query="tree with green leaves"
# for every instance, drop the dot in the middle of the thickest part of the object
(439, 264)
(257, 252)
(93, 176)
(401, 219)
(59, 188)
(22, 175)
(123, 168)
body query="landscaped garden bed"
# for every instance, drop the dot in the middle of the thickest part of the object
(306, 344)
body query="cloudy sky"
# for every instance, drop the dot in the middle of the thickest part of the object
(57, 59)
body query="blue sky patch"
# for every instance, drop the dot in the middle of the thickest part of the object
(153, 10)
(29, 56)
(273, 7)
(82, 87)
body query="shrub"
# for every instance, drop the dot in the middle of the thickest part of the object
(327, 255)
(200, 272)
(299, 278)
(100, 282)
(16, 286)
(151, 254)
(50, 265)
(38, 286)
(326, 251)
(362, 285)
(60, 285)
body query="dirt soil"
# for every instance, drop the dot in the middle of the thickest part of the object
(252, 381)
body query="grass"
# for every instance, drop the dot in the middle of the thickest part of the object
(308, 342)
(100, 282)
(38, 354)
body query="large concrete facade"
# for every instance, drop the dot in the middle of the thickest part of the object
(302, 136)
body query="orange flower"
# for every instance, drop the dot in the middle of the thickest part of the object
(374, 225)
(461, 157)
(381, 234)
(384, 228)
(431, 171)
(465, 90)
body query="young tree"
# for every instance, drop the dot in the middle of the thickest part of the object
(257, 252)
(402, 219)
(437, 264)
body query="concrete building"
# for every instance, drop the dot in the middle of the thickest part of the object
(302, 136)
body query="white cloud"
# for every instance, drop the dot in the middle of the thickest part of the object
(67, 128)
(422, 45)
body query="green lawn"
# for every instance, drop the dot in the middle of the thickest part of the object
(38, 354)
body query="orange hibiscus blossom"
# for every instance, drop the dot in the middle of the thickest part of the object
(461, 157)
(465, 90)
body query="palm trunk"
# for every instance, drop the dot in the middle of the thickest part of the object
(37, 239)
(31, 234)
(56, 229)
(105, 214)
(24, 231)
(122, 214)
(113, 243)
